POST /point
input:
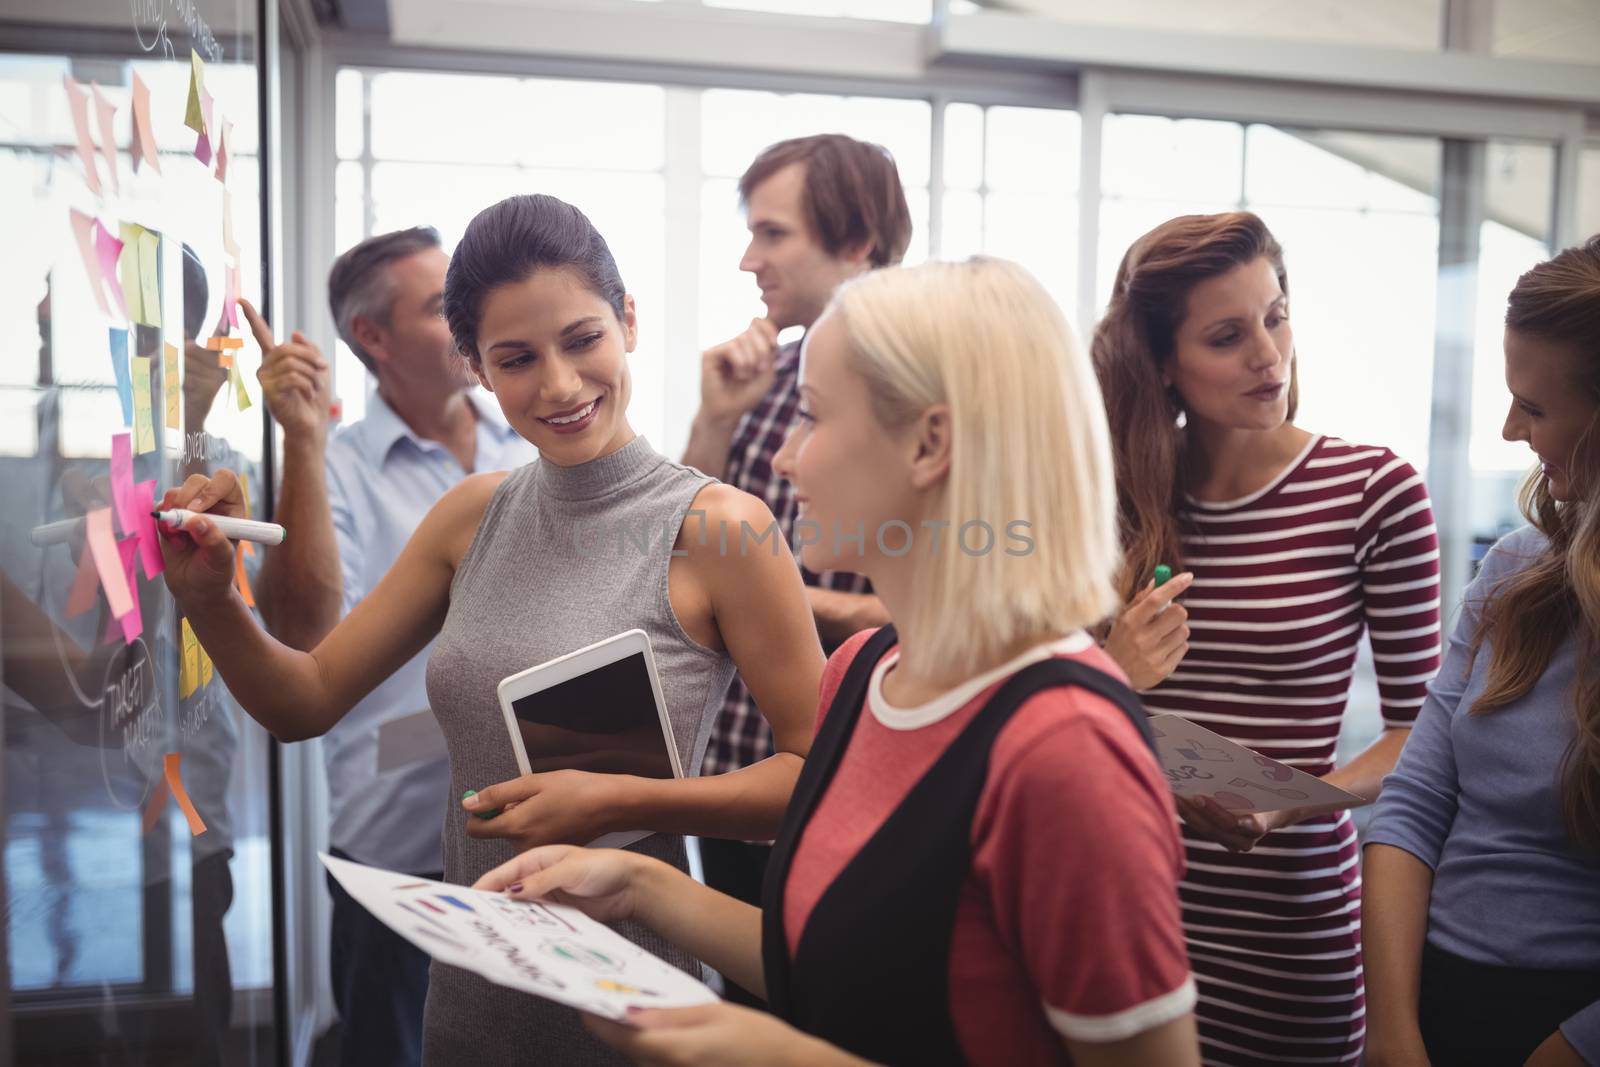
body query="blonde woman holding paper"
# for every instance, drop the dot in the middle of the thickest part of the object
(978, 865)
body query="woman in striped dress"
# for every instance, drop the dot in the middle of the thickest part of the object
(1294, 544)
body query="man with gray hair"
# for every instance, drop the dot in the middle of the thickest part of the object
(350, 505)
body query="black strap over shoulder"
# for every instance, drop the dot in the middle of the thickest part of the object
(871, 970)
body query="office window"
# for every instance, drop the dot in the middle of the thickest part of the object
(1011, 190)
(446, 146)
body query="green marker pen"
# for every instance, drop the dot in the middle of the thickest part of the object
(480, 814)
(1163, 572)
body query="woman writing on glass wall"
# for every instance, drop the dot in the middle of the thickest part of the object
(1483, 859)
(497, 573)
(979, 862)
(1294, 543)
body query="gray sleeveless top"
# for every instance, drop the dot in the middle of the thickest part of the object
(564, 557)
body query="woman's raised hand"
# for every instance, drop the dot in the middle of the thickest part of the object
(1151, 635)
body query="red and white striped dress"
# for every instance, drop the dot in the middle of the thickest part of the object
(1286, 580)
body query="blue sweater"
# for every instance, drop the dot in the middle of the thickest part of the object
(1477, 798)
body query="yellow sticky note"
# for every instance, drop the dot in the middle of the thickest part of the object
(169, 383)
(189, 672)
(193, 117)
(144, 429)
(205, 666)
(244, 491)
(150, 277)
(128, 271)
(240, 393)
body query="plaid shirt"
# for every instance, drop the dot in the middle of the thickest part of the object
(742, 736)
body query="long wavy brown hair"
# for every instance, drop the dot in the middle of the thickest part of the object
(1133, 343)
(1530, 614)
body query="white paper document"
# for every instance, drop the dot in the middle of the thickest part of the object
(550, 950)
(1201, 763)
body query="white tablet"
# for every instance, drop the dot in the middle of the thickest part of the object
(597, 709)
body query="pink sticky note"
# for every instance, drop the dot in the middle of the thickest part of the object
(230, 301)
(108, 249)
(144, 498)
(81, 599)
(106, 111)
(133, 622)
(202, 145)
(144, 136)
(225, 131)
(83, 227)
(108, 560)
(122, 483)
(78, 103)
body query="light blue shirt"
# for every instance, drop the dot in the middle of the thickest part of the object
(1477, 798)
(382, 480)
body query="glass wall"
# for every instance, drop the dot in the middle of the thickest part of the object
(136, 800)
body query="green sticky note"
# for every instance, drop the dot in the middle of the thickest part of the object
(240, 392)
(169, 384)
(144, 430)
(150, 278)
(128, 271)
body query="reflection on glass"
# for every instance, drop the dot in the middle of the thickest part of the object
(129, 938)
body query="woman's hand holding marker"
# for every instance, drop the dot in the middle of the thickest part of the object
(1151, 636)
(199, 557)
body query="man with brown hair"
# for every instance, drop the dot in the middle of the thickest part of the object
(820, 210)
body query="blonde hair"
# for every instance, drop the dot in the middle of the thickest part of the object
(1028, 442)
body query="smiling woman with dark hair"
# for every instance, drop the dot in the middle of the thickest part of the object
(538, 308)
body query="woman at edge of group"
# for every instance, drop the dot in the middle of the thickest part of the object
(537, 306)
(1483, 858)
(976, 867)
(1293, 542)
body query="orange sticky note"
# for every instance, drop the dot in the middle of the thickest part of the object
(225, 360)
(239, 576)
(172, 761)
(78, 104)
(106, 112)
(224, 344)
(143, 147)
(108, 561)
(154, 805)
(81, 599)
